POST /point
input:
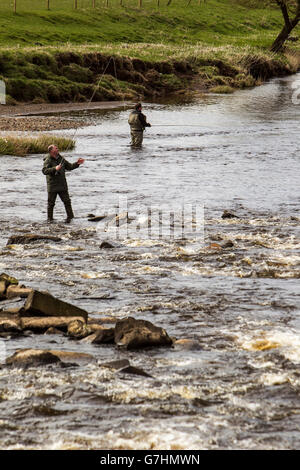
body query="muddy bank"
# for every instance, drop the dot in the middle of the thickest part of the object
(60, 77)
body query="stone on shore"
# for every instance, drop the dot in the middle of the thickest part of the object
(30, 238)
(44, 304)
(134, 334)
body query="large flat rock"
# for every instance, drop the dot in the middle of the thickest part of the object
(32, 357)
(42, 324)
(40, 357)
(44, 304)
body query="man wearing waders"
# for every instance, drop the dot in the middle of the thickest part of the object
(137, 121)
(54, 168)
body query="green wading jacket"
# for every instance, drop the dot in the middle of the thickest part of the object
(137, 121)
(56, 180)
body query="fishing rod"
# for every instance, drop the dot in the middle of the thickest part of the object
(176, 125)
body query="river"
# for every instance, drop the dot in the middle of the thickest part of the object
(240, 389)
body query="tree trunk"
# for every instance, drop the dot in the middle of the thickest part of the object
(289, 25)
(281, 38)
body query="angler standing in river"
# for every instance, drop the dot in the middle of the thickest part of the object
(54, 168)
(138, 122)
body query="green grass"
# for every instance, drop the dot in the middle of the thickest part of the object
(21, 146)
(216, 22)
(51, 56)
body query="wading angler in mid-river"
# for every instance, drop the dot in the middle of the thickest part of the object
(138, 122)
(54, 168)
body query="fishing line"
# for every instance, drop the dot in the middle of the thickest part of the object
(95, 90)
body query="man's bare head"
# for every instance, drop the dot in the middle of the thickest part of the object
(53, 150)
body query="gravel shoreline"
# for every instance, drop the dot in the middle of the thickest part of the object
(22, 117)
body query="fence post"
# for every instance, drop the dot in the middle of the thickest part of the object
(48, 4)
(15, 6)
(140, 3)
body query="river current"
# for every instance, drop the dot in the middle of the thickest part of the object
(240, 389)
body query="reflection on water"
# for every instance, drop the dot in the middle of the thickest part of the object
(241, 390)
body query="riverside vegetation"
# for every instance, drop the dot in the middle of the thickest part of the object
(123, 52)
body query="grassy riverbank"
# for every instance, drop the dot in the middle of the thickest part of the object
(125, 72)
(214, 22)
(129, 53)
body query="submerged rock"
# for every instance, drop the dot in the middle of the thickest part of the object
(134, 371)
(187, 345)
(124, 366)
(227, 244)
(106, 245)
(72, 356)
(133, 334)
(95, 218)
(229, 215)
(30, 238)
(32, 357)
(40, 357)
(119, 364)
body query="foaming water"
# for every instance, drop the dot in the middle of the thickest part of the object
(233, 287)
